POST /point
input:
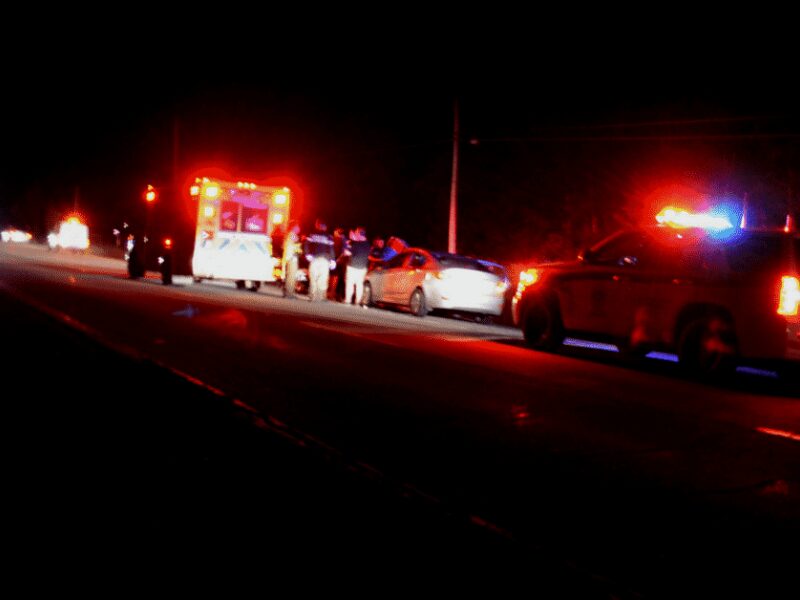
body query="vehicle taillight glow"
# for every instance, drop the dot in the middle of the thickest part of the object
(789, 302)
(529, 277)
(526, 279)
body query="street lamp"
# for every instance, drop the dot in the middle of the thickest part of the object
(150, 194)
(150, 197)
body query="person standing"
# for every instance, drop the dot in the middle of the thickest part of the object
(290, 258)
(318, 248)
(336, 283)
(375, 253)
(136, 259)
(359, 249)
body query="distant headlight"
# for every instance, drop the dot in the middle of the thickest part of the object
(15, 235)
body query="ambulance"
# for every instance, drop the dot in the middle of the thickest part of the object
(236, 224)
(72, 234)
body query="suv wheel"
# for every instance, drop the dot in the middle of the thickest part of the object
(542, 325)
(707, 345)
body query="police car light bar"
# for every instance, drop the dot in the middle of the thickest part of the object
(679, 218)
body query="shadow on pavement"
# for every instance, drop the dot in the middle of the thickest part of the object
(118, 470)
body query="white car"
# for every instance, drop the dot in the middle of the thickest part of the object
(423, 281)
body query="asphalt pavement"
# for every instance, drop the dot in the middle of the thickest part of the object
(119, 472)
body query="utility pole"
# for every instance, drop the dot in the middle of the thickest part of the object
(451, 231)
(175, 183)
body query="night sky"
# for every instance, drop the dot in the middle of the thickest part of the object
(565, 135)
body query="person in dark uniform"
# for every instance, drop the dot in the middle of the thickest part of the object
(136, 257)
(375, 253)
(338, 275)
(318, 248)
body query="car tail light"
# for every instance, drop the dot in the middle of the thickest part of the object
(790, 296)
(527, 278)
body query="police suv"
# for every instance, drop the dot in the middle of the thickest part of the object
(693, 284)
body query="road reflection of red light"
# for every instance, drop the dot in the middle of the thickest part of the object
(791, 435)
(231, 319)
(778, 488)
(520, 412)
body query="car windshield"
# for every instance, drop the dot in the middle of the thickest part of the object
(456, 261)
(743, 252)
(759, 252)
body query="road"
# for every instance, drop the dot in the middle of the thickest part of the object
(656, 484)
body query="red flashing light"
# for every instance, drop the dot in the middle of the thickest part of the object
(150, 193)
(789, 302)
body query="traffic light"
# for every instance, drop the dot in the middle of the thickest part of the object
(150, 193)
